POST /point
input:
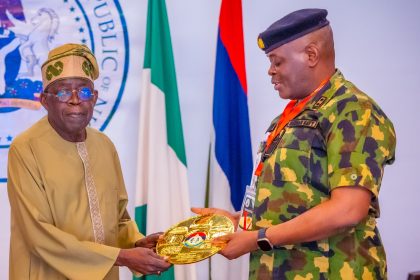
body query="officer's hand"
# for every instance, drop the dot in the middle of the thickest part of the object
(237, 244)
(234, 217)
(142, 260)
(149, 241)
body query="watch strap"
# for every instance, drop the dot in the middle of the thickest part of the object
(261, 233)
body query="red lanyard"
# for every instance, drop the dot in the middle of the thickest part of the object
(289, 113)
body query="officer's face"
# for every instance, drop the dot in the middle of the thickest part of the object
(70, 117)
(289, 70)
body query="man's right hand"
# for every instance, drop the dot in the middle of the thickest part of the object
(142, 260)
(234, 217)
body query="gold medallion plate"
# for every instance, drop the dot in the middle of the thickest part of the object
(190, 241)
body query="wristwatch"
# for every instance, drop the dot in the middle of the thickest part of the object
(262, 241)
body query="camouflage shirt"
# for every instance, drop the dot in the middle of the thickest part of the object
(341, 138)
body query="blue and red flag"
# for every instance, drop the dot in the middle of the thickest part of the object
(232, 143)
(231, 158)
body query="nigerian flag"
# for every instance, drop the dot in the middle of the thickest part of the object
(162, 197)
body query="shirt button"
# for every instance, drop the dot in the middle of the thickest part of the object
(353, 176)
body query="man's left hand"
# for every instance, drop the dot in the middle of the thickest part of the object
(149, 241)
(237, 244)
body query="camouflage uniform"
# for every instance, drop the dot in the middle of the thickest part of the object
(342, 138)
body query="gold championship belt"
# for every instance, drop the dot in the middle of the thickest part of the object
(191, 240)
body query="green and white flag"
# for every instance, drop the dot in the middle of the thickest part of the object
(162, 197)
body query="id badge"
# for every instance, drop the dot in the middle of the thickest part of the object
(245, 221)
(248, 203)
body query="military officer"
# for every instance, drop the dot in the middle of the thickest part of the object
(319, 168)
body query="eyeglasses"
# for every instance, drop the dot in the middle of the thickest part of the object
(64, 95)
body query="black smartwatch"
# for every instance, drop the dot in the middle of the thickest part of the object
(262, 241)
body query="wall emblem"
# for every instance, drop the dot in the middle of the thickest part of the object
(28, 30)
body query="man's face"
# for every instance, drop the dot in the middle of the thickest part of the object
(289, 70)
(69, 118)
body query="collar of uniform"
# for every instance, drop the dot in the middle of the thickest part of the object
(273, 124)
(327, 92)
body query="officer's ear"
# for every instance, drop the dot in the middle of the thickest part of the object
(313, 54)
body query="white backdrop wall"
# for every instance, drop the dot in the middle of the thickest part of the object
(377, 46)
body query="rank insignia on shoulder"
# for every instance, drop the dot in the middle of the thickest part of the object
(304, 123)
(320, 102)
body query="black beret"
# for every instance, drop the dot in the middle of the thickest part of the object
(291, 27)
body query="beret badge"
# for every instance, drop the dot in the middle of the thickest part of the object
(261, 43)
